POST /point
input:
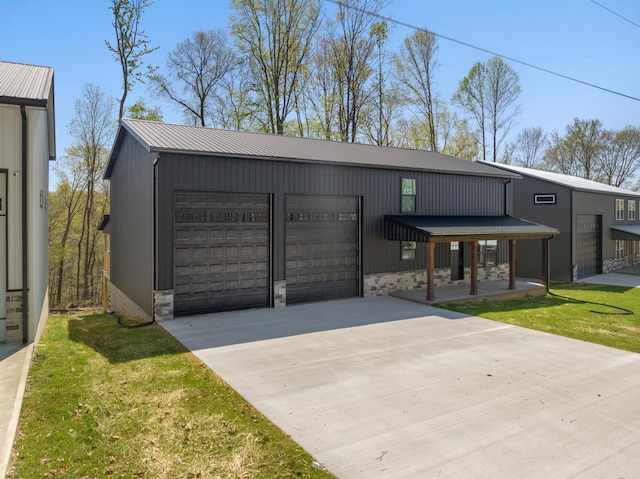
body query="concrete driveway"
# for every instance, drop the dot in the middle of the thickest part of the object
(386, 388)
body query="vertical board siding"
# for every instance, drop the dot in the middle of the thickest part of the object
(437, 194)
(132, 224)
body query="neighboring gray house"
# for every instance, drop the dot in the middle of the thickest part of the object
(206, 220)
(599, 224)
(27, 144)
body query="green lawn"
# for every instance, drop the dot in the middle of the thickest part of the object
(569, 318)
(104, 401)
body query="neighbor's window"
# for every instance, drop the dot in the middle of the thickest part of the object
(408, 249)
(620, 249)
(408, 195)
(619, 209)
(487, 253)
(631, 207)
(549, 199)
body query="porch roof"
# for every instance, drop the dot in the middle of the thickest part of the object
(441, 229)
(625, 232)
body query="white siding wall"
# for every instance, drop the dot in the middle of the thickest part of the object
(38, 181)
(11, 160)
(38, 159)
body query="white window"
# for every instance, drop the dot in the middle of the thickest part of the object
(619, 210)
(546, 199)
(620, 249)
(631, 207)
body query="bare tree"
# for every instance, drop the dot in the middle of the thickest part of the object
(489, 92)
(131, 44)
(92, 129)
(620, 158)
(528, 148)
(415, 68)
(198, 65)
(276, 37)
(352, 47)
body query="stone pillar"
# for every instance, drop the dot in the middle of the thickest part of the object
(14, 316)
(280, 293)
(163, 304)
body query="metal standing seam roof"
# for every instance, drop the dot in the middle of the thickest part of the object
(29, 84)
(573, 182)
(426, 227)
(171, 138)
(629, 232)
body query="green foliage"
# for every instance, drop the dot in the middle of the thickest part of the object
(138, 111)
(105, 401)
(131, 45)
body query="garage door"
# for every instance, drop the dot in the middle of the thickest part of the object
(322, 248)
(221, 252)
(589, 245)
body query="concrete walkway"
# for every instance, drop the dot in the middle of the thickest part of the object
(388, 388)
(15, 360)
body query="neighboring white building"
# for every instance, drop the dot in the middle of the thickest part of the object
(27, 144)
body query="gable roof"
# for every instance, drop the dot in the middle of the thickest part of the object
(25, 84)
(31, 86)
(196, 140)
(572, 182)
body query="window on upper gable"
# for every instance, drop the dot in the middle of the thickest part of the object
(408, 201)
(619, 210)
(631, 208)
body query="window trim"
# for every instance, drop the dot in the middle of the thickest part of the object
(538, 199)
(619, 211)
(630, 210)
(482, 254)
(404, 195)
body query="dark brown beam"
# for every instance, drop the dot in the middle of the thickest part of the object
(431, 249)
(474, 268)
(545, 260)
(512, 264)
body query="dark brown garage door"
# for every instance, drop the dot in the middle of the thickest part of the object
(322, 248)
(589, 245)
(221, 252)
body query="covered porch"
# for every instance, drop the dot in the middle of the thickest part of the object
(432, 230)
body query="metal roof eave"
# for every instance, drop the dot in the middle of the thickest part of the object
(625, 232)
(430, 229)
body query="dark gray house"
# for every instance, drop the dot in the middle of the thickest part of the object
(599, 224)
(206, 220)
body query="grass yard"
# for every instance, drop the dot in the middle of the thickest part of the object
(569, 318)
(104, 401)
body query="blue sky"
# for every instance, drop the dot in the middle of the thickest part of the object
(577, 38)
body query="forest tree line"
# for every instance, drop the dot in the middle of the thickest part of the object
(287, 67)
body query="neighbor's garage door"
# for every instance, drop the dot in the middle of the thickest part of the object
(221, 252)
(322, 247)
(589, 245)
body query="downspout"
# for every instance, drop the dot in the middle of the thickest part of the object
(25, 224)
(506, 194)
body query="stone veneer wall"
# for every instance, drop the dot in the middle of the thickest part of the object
(380, 284)
(279, 294)
(163, 304)
(122, 304)
(14, 317)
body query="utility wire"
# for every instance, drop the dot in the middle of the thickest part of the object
(475, 47)
(616, 14)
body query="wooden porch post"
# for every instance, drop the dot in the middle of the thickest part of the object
(431, 248)
(474, 267)
(545, 260)
(512, 264)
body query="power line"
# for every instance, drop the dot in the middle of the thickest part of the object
(616, 14)
(484, 50)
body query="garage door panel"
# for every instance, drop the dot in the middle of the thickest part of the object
(321, 248)
(221, 251)
(589, 245)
